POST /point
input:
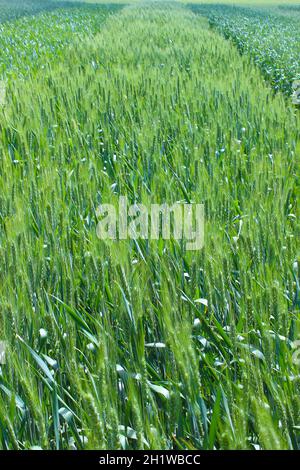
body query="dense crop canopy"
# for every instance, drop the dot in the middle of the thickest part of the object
(270, 38)
(140, 343)
(30, 43)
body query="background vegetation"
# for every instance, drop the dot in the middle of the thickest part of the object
(271, 37)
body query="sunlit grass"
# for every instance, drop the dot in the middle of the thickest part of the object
(158, 107)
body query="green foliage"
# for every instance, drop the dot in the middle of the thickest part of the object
(108, 344)
(29, 43)
(13, 9)
(271, 39)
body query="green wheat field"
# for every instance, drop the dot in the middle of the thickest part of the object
(143, 344)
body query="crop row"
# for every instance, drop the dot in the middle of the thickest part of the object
(271, 39)
(30, 42)
(13, 9)
(141, 344)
